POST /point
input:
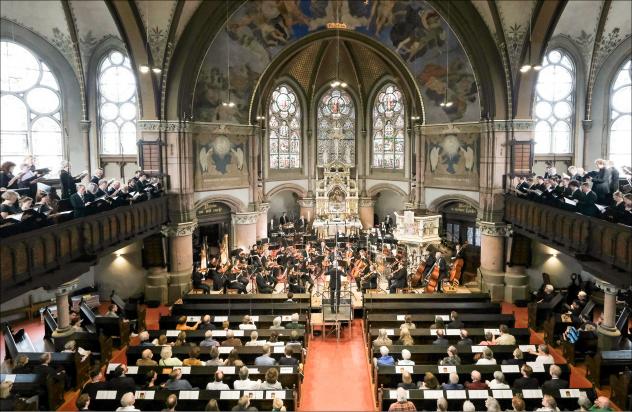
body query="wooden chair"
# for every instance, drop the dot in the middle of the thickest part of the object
(620, 386)
(142, 318)
(124, 326)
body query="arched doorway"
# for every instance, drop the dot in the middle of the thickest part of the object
(387, 202)
(283, 201)
(213, 223)
(459, 225)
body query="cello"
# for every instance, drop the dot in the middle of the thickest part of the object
(433, 279)
(457, 266)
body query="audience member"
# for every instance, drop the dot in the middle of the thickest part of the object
(382, 339)
(453, 382)
(208, 339)
(552, 387)
(516, 360)
(548, 404)
(487, 358)
(408, 323)
(526, 381)
(293, 324)
(214, 359)
(170, 403)
(244, 382)
(602, 404)
(498, 382)
(476, 382)
(452, 359)
(405, 338)
(176, 383)
(402, 404)
(288, 359)
(193, 359)
(505, 337)
(455, 322)
(218, 384)
(407, 381)
(231, 340)
(276, 323)
(385, 359)
(492, 405)
(146, 358)
(441, 339)
(167, 359)
(82, 403)
(405, 361)
(271, 381)
(442, 404)
(430, 382)
(127, 402)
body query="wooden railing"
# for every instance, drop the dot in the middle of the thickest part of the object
(44, 256)
(603, 248)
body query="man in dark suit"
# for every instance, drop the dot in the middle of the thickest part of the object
(283, 219)
(96, 383)
(398, 280)
(441, 340)
(601, 182)
(197, 281)
(526, 381)
(388, 222)
(465, 339)
(455, 322)
(288, 359)
(369, 281)
(140, 183)
(586, 203)
(79, 202)
(301, 223)
(335, 285)
(614, 176)
(516, 360)
(262, 284)
(443, 267)
(552, 387)
(121, 383)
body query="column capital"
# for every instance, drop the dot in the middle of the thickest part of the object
(497, 229)
(366, 202)
(262, 207)
(607, 288)
(248, 218)
(587, 125)
(179, 229)
(85, 125)
(306, 202)
(66, 288)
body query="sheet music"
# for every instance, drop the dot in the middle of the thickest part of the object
(254, 394)
(286, 370)
(569, 393)
(225, 349)
(432, 394)
(532, 393)
(477, 349)
(510, 368)
(601, 208)
(172, 333)
(456, 394)
(227, 370)
(279, 349)
(404, 368)
(189, 395)
(194, 318)
(570, 201)
(446, 369)
(111, 367)
(392, 394)
(527, 348)
(106, 395)
(218, 333)
(9, 378)
(453, 332)
(502, 393)
(274, 394)
(186, 370)
(132, 370)
(229, 394)
(477, 394)
(220, 318)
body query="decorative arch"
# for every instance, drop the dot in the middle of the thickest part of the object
(444, 200)
(291, 187)
(381, 187)
(236, 205)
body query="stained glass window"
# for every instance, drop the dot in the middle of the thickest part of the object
(31, 107)
(388, 128)
(284, 129)
(118, 107)
(620, 145)
(336, 128)
(554, 103)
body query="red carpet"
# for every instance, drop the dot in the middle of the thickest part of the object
(337, 374)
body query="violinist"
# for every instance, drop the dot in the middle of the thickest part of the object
(295, 281)
(369, 280)
(264, 283)
(236, 280)
(218, 274)
(398, 279)
(362, 265)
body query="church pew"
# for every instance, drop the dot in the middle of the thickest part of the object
(28, 385)
(196, 336)
(429, 354)
(621, 387)
(246, 353)
(257, 298)
(483, 320)
(539, 312)
(427, 400)
(390, 376)
(239, 308)
(199, 376)
(427, 336)
(25, 384)
(426, 297)
(264, 321)
(431, 307)
(155, 400)
(600, 366)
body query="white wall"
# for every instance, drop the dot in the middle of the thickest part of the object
(558, 265)
(284, 201)
(121, 271)
(387, 203)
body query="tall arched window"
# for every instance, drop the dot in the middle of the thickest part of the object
(336, 128)
(284, 129)
(388, 128)
(31, 107)
(118, 108)
(620, 144)
(554, 103)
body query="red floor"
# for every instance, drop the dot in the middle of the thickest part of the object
(337, 374)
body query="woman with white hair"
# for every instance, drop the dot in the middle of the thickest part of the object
(382, 339)
(405, 361)
(167, 359)
(498, 382)
(385, 359)
(276, 323)
(254, 336)
(487, 358)
(127, 402)
(67, 181)
(468, 407)
(492, 405)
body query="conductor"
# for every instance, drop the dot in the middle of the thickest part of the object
(334, 287)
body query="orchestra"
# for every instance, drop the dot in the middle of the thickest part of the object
(297, 267)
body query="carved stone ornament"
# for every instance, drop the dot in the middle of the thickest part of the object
(179, 229)
(67, 287)
(493, 228)
(161, 126)
(263, 207)
(366, 202)
(608, 288)
(517, 125)
(85, 125)
(587, 125)
(306, 203)
(245, 218)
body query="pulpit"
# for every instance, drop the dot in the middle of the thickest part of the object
(416, 232)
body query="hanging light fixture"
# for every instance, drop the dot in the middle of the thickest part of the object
(228, 102)
(527, 67)
(338, 82)
(446, 102)
(144, 68)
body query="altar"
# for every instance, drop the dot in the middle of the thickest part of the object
(336, 201)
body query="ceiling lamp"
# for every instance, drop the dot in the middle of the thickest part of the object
(446, 102)
(338, 83)
(144, 68)
(228, 102)
(528, 67)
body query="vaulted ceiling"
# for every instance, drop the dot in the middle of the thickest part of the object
(76, 27)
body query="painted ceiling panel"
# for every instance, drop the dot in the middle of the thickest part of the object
(49, 22)
(617, 28)
(515, 16)
(157, 16)
(94, 24)
(188, 10)
(482, 6)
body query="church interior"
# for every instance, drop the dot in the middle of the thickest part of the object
(316, 205)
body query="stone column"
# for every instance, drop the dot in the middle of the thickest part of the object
(180, 237)
(420, 165)
(85, 136)
(609, 335)
(262, 220)
(366, 209)
(244, 230)
(307, 206)
(63, 308)
(516, 279)
(493, 258)
(157, 285)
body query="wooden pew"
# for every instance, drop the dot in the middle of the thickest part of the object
(613, 361)
(264, 321)
(118, 328)
(426, 400)
(196, 336)
(239, 308)
(144, 403)
(427, 354)
(621, 390)
(246, 353)
(427, 336)
(415, 298)
(539, 312)
(431, 307)
(390, 321)
(255, 299)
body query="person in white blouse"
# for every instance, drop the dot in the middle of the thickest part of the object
(543, 355)
(167, 359)
(405, 361)
(127, 402)
(247, 323)
(276, 323)
(498, 382)
(217, 384)
(272, 380)
(254, 336)
(487, 358)
(244, 382)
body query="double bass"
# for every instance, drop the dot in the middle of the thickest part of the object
(457, 267)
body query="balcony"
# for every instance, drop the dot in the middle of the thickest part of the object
(49, 256)
(602, 248)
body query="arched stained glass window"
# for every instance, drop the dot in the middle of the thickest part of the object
(388, 128)
(118, 107)
(284, 129)
(555, 103)
(31, 107)
(620, 144)
(336, 128)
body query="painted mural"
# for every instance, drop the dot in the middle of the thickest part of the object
(259, 30)
(220, 161)
(452, 160)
